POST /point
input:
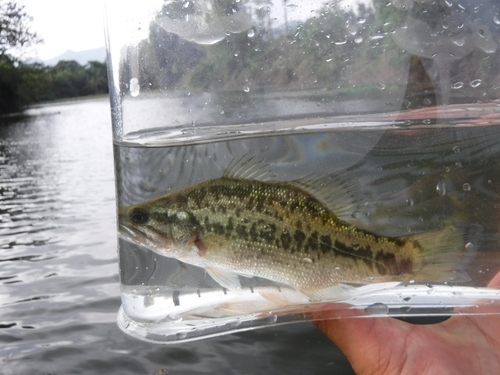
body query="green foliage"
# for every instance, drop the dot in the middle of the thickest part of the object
(24, 84)
(10, 79)
(353, 51)
(330, 50)
(15, 33)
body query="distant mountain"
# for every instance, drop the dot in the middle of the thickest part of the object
(82, 57)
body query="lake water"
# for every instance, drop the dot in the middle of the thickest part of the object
(59, 287)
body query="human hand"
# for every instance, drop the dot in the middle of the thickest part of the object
(460, 345)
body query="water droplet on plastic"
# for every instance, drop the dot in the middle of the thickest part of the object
(427, 121)
(246, 89)
(476, 83)
(456, 149)
(466, 187)
(251, 33)
(427, 101)
(356, 214)
(272, 318)
(409, 202)
(457, 85)
(431, 290)
(496, 19)
(221, 111)
(469, 246)
(380, 85)
(441, 188)
(236, 54)
(346, 72)
(281, 62)
(134, 87)
(358, 40)
(405, 309)
(235, 323)
(361, 20)
(377, 309)
(174, 318)
(307, 260)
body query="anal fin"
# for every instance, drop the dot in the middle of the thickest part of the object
(341, 291)
(226, 279)
(336, 292)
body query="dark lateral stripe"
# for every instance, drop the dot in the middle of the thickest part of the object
(385, 262)
(340, 249)
(326, 244)
(218, 228)
(268, 235)
(241, 231)
(286, 240)
(299, 238)
(312, 241)
(229, 226)
(391, 266)
(253, 232)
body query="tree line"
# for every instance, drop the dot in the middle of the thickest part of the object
(23, 84)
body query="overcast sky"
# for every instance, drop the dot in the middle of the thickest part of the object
(65, 25)
(78, 24)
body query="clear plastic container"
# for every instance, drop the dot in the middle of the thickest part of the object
(279, 162)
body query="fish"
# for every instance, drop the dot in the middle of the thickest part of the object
(295, 233)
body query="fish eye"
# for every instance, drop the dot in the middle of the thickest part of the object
(138, 215)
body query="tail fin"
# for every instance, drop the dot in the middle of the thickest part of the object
(445, 254)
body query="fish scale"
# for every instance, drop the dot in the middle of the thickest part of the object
(281, 231)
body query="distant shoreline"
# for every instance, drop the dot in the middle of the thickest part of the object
(68, 100)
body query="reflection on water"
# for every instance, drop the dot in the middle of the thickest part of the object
(59, 291)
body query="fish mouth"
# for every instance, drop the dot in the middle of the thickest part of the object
(126, 231)
(129, 234)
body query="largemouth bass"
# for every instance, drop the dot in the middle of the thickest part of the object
(243, 223)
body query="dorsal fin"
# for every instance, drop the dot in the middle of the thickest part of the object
(249, 167)
(339, 192)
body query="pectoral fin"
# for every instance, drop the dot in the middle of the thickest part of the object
(206, 247)
(225, 278)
